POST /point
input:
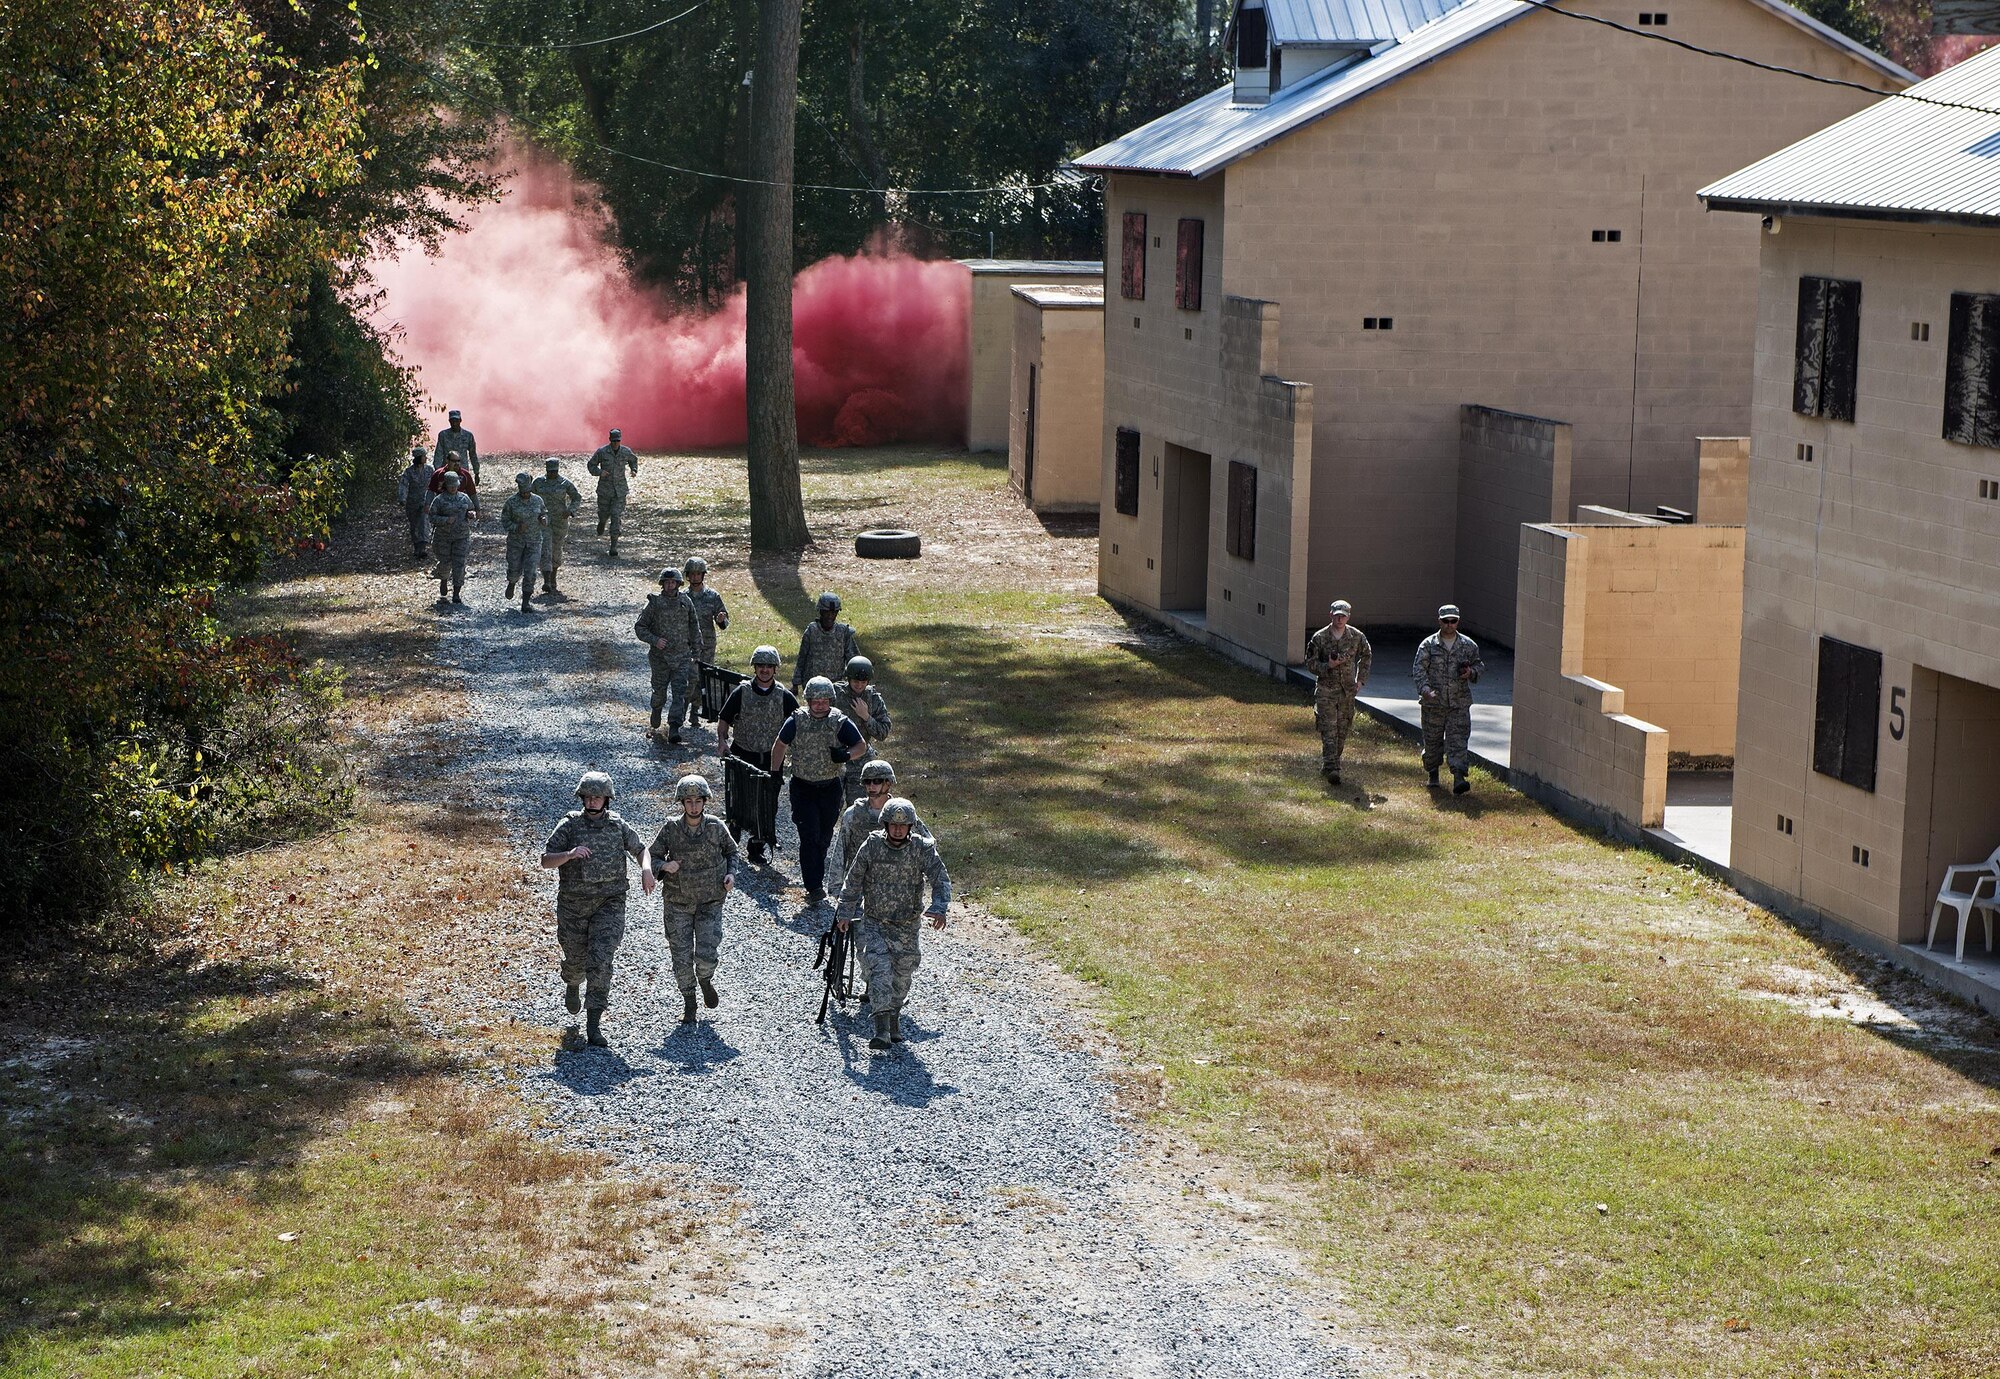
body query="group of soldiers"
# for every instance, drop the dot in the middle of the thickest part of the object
(1446, 667)
(439, 493)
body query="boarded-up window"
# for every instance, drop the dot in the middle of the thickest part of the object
(1242, 510)
(1125, 475)
(1187, 267)
(1845, 712)
(1972, 370)
(1828, 348)
(1253, 38)
(1132, 262)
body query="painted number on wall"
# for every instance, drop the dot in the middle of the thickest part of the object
(1898, 720)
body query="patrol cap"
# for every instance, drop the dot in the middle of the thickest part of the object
(1447, 610)
(552, 462)
(860, 668)
(829, 600)
(416, 452)
(819, 687)
(451, 478)
(594, 783)
(453, 415)
(691, 786)
(878, 769)
(899, 811)
(765, 656)
(1339, 606)
(524, 477)
(695, 565)
(617, 434)
(670, 573)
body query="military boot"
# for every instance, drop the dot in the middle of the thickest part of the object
(572, 998)
(526, 590)
(510, 588)
(1433, 778)
(881, 1040)
(895, 1026)
(1460, 785)
(549, 582)
(455, 591)
(687, 1007)
(708, 996)
(592, 1033)
(444, 591)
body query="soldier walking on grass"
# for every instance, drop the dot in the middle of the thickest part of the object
(695, 858)
(821, 741)
(525, 518)
(826, 646)
(667, 627)
(857, 697)
(561, 498)
(452, 514)
(885, 890)
(1339, 657)
(710, 613)
(588, 851)
(413, 491)
(1445, 670)
(456, 440)
(615, 467)
(751, 718)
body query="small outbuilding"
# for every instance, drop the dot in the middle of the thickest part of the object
(1056, 423)
(990, 336)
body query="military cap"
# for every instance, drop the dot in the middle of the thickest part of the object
(552, 462)
(454, 415)
(1339, 606)
(1447, 610)
(524, 478)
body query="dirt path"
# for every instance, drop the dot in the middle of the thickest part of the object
(977, 1203)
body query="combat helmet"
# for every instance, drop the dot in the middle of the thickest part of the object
(695, 565)
(765, 656)
(829, 600)
(670, 573)
(595, 783)
(878, 769)
(899, 811)
(819, 687)
(690, 786)
(860, 668)
(451, 478)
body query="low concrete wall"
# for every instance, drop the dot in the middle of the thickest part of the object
(1058, 333)
(1722, 489)
(1511, 469)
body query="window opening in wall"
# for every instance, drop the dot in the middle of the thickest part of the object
(1847, 705)
(1989, 488)
(1132, 259)
(1827, 348)
(1653, 19)
(1228, 597)
(1242, 510)
(1860, 855)
(1187, 266)
(1125, 479)
(1260, 610)
(1920, 330)
(1784, 825)
(1805, 452)
(1607, 236)
(1187, 332)
(1972, 370)
(1378, 322)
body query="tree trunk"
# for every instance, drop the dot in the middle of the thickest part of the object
(1204, 31)
(777, 511)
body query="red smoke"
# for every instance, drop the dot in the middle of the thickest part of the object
(529, 323)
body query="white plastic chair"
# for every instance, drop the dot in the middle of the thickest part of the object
(1981, 894)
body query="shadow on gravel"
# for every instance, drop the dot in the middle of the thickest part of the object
(899, 1076)
(699, 1048)
(594, 1072)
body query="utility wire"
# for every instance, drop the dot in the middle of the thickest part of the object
(578, 43)
(1077, 181)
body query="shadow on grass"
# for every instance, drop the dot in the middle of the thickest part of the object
(166, 1071)
(875, 459)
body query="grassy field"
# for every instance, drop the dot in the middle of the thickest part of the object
(1548, 1105)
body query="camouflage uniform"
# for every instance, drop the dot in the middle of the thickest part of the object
(885, 888)
(1447, 713)
(523, 517)
(562, 499)
(855, 825)
(693, 895)
(459, 442)
(668, 618)
(874, 729)
(590, 898)
(824, 653)
(708, 606)
(451, 529)
(1339, 663)
(413, 491)
(612, 464)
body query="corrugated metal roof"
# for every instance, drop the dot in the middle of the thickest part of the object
(1343, 22)
(1036, 268)
(1899, 158)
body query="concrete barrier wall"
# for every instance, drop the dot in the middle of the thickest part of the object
(1511, 469)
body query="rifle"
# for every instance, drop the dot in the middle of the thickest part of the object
(837, 956)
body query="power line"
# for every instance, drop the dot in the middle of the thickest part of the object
(578, 43)
(1077, 182)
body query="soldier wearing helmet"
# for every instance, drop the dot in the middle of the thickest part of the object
(864, 816)
(820, 741)
(610, 463)
(413, 491)
(826, 646)
(561, 498)
(588, 851)
(452, 514)
(856, 696)
(751, 717)
(885, 892)
(710, 613)
(525, 518)
(667, 626)
(695, 859)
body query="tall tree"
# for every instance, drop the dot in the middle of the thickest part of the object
(777, 511)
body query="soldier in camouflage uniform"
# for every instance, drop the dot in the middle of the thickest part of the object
(1339, 658)
(525, 518)
(694, 857)
(885, 889)
(710, 613)
(1445, 670)
(864, 816)
(413, 491)
(857, 697)
(451, 514)
(667, 628)
(561, 498)
(752, 717)
(588, 850)
(456, 440)
(615, 467)
(821, 741)
(827, 645)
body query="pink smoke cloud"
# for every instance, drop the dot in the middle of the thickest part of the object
(529, 323)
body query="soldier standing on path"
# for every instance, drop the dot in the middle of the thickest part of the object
(710, 613)
(1339, 658)
(694, 857)
(858, 698)
(456, 440)
(827, 645)
(1446, 669)
(864, 816)
(413, 491)
(525, 518)
(452, 514)
(751, 718)
(820, 741)
(561, 498)
(885, 888)
(667, 628)
(588, 850)
(615, 468)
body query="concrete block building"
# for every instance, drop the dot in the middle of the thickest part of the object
(989, 327)
(1055, 428)
(1868, 740)
(1400, 209)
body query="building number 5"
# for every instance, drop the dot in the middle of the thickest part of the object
(1897, 718)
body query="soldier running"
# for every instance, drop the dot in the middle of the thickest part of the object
(1445, 670)
(456, 440)
(452, 514)
(1339, 657)
(588, 850)
(751, 718)
(413, 491)
(525, 518)
(694, 857)
(611, 463)
(821, 741)
(885, 890)
(710, 613)
(826, 646)
(561, 498)
(667, 627)
(857, 697)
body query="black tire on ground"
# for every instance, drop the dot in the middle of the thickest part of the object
(888, 543)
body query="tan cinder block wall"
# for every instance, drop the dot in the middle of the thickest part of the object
(1065, 343)
(1722, 490)
(1511, 469)
(990, 339)
(1881, 541)
(1459, 200)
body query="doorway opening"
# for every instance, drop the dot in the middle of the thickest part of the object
(1028, 440)
(1184, 530)
(1953, 810)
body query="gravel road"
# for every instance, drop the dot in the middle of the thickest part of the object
(976, 1203)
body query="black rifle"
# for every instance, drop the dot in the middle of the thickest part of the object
(837, 956)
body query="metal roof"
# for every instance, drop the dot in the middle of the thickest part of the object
(1343, 23)
(1036, 268)
(1898, 159)
(1211, 132)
